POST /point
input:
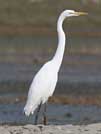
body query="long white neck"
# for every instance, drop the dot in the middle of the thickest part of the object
(58, 57)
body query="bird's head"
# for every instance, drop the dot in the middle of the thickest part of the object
(70, 13)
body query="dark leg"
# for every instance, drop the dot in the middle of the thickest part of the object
(37, 114)
(44, 114)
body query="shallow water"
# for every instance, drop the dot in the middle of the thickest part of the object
(56, 114)
(21, 58)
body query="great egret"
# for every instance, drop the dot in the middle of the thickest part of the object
(44, 83)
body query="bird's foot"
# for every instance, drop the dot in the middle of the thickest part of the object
(45, 120)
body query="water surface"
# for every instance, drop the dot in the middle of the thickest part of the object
(80, 74)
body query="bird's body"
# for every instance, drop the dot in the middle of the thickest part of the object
(44, 83)
(39, 93)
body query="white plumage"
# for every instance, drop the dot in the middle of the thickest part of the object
(39, 93)
(44, 83)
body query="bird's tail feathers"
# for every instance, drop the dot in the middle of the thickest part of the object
(29, 109)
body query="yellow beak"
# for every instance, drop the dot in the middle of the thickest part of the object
(81, 13)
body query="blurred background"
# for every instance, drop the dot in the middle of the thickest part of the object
(28, 38)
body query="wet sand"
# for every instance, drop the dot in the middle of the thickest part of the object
(40, 129)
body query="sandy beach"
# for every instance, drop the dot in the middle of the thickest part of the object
(56, 129)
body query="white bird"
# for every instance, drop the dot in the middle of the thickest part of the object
(44, 82)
